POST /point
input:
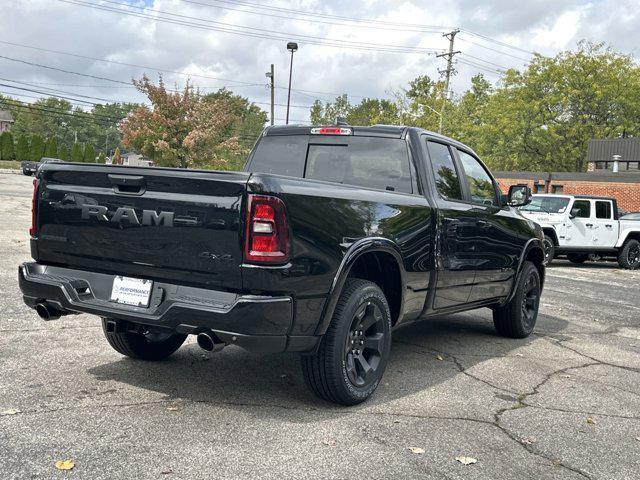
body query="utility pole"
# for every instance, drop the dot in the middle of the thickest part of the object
(447, 73)
(271, 77)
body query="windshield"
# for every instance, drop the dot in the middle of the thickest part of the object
(547, 205)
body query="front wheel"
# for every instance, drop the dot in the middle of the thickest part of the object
(354, 351)
(142, 345)
(549, 250)
(629, 255)
(517, 318)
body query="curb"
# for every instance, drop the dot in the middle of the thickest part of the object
(10, 170)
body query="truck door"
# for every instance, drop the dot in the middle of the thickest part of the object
(455, 243)
(497, 241)
(578, 230)
(605, 227)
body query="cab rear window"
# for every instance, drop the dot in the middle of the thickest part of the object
(371, 162)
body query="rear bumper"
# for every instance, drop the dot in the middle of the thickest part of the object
(255, 322)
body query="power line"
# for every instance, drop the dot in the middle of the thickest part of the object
(497, 42)
(248, 31)
(317, 18)
(481, 67)
(157, 69)
(486, 61)
(494, 49)
(263, 6)
(62, 70)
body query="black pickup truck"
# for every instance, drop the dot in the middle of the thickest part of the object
(331, 237)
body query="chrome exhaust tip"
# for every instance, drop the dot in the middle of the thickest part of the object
(209, 342)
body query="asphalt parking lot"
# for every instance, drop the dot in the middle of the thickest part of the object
(564, 403)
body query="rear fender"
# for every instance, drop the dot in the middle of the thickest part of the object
(355, 251)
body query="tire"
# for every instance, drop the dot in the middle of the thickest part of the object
(629, 255)
(517, 318)
(154, 346)
(549, 250)
(340, 371)
(578, 257)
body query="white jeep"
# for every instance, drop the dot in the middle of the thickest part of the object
(583, 227)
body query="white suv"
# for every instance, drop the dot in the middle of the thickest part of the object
(583, 225)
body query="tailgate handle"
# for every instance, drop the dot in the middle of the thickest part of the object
(128, 184)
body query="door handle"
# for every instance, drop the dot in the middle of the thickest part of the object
(483, 224)
(608, 225)
(451, 225)
(588, 225)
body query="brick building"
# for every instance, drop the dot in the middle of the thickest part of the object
(624, 185)
(613, 170)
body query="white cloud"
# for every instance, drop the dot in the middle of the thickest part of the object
(544, 25)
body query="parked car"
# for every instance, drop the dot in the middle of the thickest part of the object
(29, 167)
(630, 216)
(331, 238)
(583, 225)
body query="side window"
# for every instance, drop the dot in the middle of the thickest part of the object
(584, 208)
(444, 170)
(603, 209)
(480, 183)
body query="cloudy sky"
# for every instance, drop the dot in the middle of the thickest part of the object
(232, 42)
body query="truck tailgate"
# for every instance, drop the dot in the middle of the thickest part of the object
(170, 224)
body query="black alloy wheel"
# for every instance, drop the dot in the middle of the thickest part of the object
(633, 255)
(549, 250)
(530, 300)
(517, 318)
(365, 344)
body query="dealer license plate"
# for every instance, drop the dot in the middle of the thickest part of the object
(131, 291)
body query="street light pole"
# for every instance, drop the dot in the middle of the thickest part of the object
(271, 77)
(292, 47)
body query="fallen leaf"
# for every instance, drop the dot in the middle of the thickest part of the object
(638, 439)
(329, 441)
(466, 460)
(528, 440)
(439, 357)
(417, 450)
(519, 355)
(65, 464)
(565, 376)
(166, 471)
(172, 409)
(590, 420)
(11, 411)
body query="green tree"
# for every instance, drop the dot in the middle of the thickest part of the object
(182, 128)
(7, 149)
(77, 153)
(22, 148)
(327, 113)
(89, 153)
(101, 158)
(51, 148)
(63, 152)
(36, 148)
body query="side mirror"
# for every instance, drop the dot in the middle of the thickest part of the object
(574, 213)
(519, 195)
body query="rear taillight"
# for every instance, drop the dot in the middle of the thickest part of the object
(267, 237)
(34, 202)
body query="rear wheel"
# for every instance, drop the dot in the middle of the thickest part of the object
(549, 250)
(629, 255)
(354, 351)
(517, 318)
(142, 344)
(578, 257)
